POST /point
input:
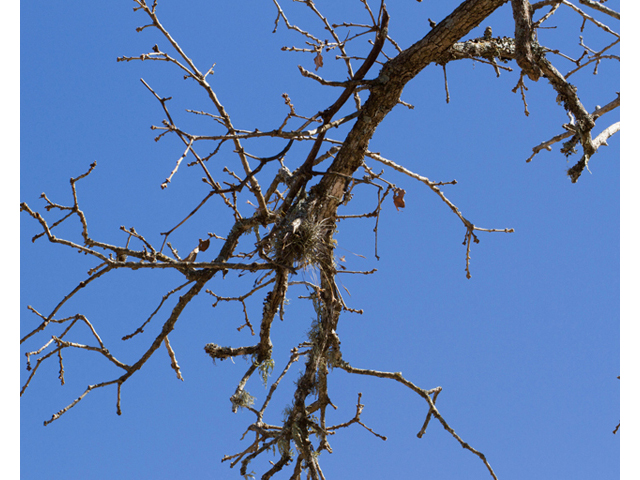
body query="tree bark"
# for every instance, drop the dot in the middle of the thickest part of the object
(395, 74)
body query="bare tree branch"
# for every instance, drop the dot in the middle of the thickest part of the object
(292, 230)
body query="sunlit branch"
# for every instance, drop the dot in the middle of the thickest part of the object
(426, 394)
(201, 79)
(81, 285)
(590, 18)
(165, 297)
(598, 112)
(601, 8)
(172, 356)
(77, 400)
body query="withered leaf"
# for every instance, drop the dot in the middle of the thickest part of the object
(398, 198)
(318, 60)
(203, 244)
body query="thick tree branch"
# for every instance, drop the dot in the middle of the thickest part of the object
(525, 37)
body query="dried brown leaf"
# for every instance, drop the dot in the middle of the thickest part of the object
(398, 198)
(318, 60)
(203, 244)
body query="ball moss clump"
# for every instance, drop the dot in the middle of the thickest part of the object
(303, 242)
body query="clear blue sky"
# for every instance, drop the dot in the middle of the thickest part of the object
(527, 350)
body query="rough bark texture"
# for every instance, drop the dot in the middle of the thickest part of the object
(394, 75)
(525, 38)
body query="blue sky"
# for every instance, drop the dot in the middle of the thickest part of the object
(527, 350)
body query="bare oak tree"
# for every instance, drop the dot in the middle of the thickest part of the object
(294, 213)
